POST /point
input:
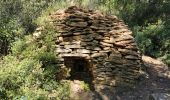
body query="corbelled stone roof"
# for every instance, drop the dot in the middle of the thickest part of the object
(104, 40)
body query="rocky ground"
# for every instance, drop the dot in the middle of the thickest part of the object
(156, 86)
(152, 88)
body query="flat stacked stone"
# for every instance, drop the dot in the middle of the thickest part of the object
(103, 40)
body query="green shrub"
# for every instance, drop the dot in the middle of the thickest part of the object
(30, 70)
(153, 40)
(17, 18)
(85, 86)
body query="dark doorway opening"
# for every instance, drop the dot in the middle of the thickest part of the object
(80, 69)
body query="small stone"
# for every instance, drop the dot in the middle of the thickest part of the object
(75, 55)
(65, 43)
(59, 50)
(123, 43)
(40, 29)
(60, 38)
(126, 51)
(37, 34)
(131, 47)
(72, 46)
(95, 41)
(78, 24)
(83, 44)
(98, 37)
(94, 27)
(98, 55)
(106, 44)
(115, 55)
(84, 51)
(94, 51)
(107, 48)
(78, 33)
(104, 51)
(131, 57)
(99, 78)
(109, 41)
(106, 37)
(124, 37)
(89, 47)
(97, 48)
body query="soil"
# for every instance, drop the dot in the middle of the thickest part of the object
(145, 89)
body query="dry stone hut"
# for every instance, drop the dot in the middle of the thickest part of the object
(96, 47)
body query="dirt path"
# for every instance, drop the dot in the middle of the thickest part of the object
(153, 87)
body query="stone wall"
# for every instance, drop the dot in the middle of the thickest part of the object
(105, 41)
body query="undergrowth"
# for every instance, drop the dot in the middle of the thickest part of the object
(29, 71)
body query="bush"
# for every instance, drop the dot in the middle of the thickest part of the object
(29, 71)
(153, 40)
(17, 18)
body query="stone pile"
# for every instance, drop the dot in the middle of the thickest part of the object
(105, 41)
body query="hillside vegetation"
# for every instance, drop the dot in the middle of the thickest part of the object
(28, 67)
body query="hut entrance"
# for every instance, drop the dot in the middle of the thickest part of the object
(80, 69)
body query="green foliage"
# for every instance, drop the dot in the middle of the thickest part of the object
(85, 86)
(17, 18)
(18, 75)
(153, 40)
(29, 72)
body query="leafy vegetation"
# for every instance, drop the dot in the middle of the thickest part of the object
(17, 18)
(29, 71)
(28, 66)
